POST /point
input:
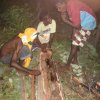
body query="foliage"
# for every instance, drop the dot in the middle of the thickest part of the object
(87, 58)
(16, 18)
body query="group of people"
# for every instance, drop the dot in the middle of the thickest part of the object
(83, 20)
(17, 51)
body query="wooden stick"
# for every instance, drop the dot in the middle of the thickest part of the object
(44, 74)
(23, 88)
(32, 90)
(75, 79)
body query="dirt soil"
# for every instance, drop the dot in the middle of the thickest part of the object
(70, 89)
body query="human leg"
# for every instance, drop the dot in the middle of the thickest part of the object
(75, 60)
(73, 55)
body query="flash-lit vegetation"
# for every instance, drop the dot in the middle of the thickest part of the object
(15, 19)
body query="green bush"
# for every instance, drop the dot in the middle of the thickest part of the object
(16, 18)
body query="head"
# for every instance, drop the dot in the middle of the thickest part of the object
(61, 6)
(45, 17)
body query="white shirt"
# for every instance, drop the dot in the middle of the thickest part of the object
(45, 31)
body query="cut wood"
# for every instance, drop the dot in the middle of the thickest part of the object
(23, 88)
(32, 88)
(49, 80)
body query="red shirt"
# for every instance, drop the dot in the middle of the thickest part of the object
(74, 7)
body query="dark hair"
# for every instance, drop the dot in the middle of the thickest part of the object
(42, 15)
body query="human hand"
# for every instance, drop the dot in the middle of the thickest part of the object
(43, 48)
(35, 72)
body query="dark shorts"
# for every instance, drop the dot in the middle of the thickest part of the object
(24, 52)
(6, 59)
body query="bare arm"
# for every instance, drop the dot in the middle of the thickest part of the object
(66, 20)
(19, 67)
(51, 39)
(52, 33)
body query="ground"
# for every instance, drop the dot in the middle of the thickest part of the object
(10, 86)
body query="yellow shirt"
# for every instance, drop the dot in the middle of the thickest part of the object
(29, 35)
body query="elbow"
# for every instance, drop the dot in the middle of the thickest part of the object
(77, 24)
(12, 64)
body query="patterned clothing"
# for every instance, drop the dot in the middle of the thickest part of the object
(80, 37)
(82, 15)
(23, 54)
(28, 36)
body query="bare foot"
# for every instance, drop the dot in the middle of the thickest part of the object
(64, 68)
(68, 67)
(75, 62)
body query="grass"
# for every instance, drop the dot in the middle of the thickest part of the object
(10, 89)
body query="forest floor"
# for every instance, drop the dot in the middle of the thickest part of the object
(10, 86)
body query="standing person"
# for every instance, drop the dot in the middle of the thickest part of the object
(97, 38)
(47, 29)
(17, 52)
(82, 19)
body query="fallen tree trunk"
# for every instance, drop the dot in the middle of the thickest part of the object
(49, 80)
